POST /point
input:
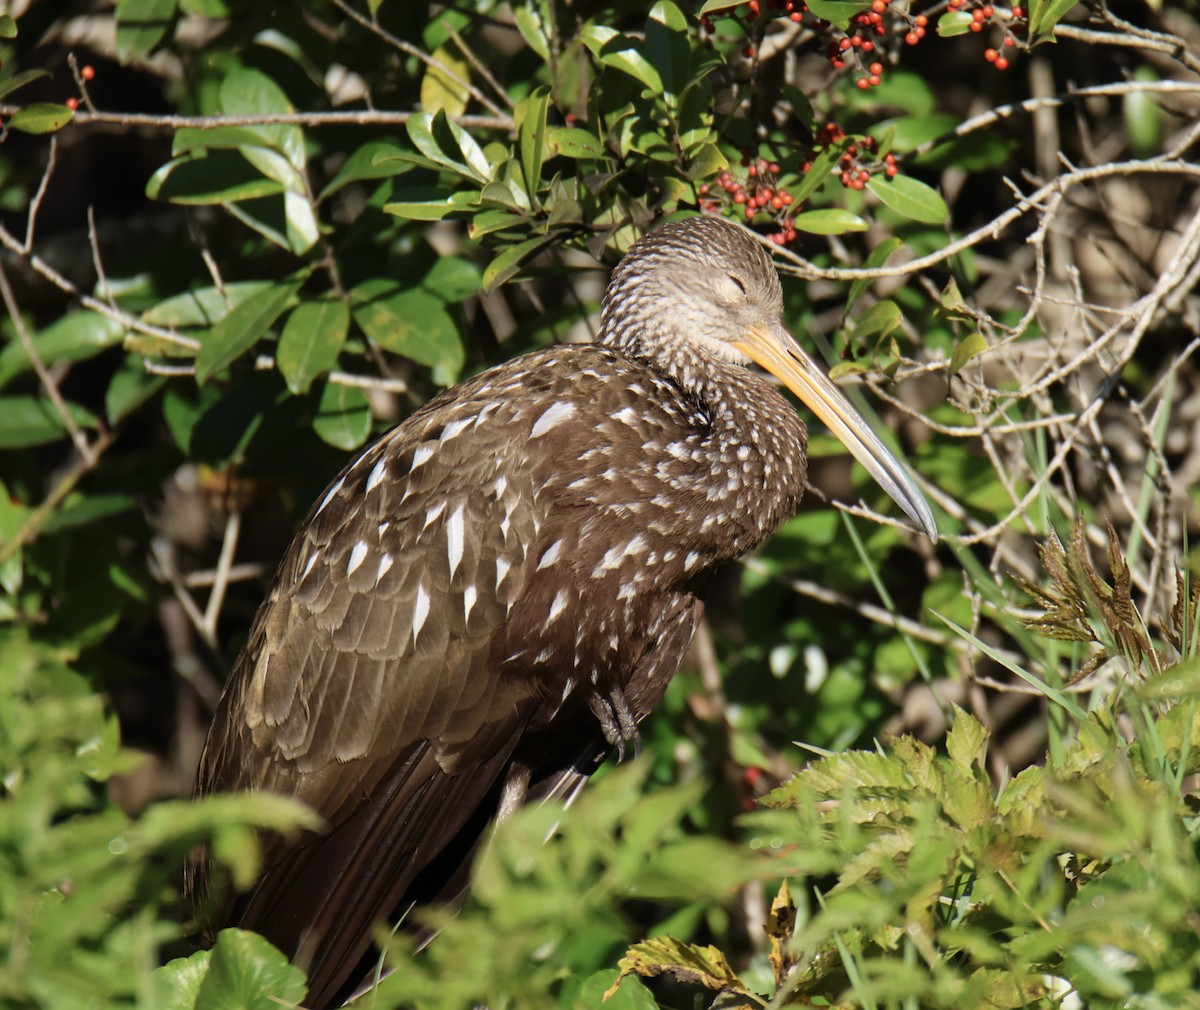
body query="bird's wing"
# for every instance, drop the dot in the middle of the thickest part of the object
(367, 688)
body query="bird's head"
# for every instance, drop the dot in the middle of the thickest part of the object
(704, 287)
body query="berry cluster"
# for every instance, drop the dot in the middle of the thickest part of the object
(852, 47)
(859, 160)
(758, 194)
(983, 13)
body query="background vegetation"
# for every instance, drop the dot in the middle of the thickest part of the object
(240, 238)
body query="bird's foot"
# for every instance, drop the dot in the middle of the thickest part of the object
(617, 721)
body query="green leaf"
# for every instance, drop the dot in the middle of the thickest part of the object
(532, 27)
(141, 24)
(8, 27)
(129, 388)
(452, 278)
(684, 962)
(706, 162)
(966, 743)
(449, 146)
(27, 421)
(429, 204)
(441, 92)
(247, 92)
(879, 256)
(530, 116)
(310, 342)
(667, 47)
(202, 306)
(830, 221)
(41, 117)
(74, 337)
(837, 12)
(817, 174)
(409, 321)
(177, 983)
(302, 227)
(376, 159)
(509, 261)
(969, 347)
(572, 142)
(954, 23)
(246, 973)
(910, 198)
(343, 416)
(880, 319)
(490, 221)
(221, 177)
(622, 53)
(241, 329)
(20, 80)
(1044, 15)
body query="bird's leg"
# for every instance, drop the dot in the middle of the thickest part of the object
(616, 720)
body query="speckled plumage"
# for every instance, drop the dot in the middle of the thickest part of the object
(496, 591)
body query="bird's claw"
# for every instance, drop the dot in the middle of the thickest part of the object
(617, 721)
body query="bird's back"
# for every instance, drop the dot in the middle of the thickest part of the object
(517, 554)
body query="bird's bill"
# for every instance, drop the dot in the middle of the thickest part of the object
(777, 352)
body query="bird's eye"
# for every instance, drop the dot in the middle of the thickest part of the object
(738, 282)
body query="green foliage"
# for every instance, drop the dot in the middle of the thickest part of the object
(349, 215)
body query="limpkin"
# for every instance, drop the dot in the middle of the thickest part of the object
(496, 592)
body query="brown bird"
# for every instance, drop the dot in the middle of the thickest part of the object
(496, 592)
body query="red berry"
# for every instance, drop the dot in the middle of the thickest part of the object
(990, 55)
(87, 72)
(988, 11)
(877, 68)
(1009, 40)
(977, 16)
(878, 6)
(739, 197)
(1001, 63)
(774, 168)
(921, 20)
(868, 46)
(752, 7)
(844, 44)
(72, 104)
(857, 184)
(920, 33)
(976, 26)
(1018, 12)
(911, 38)
(874, 80)
(891, 171)
(863, 83)
(748, 52)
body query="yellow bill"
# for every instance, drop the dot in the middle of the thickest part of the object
(777, 351)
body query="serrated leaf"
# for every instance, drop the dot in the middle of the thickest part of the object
(830, 221)
(247, 973)
(141, 24)
(241, 329)
(910, 198)
(442, 92)
(41, 117)
(966, 743)
(969, 347)
(684, 962)
(343, 417)
(312, 338)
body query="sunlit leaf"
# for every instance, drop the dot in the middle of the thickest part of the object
(41, 117)
(310, 342)
(343, 416)
(910, 198)
(241, 329)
